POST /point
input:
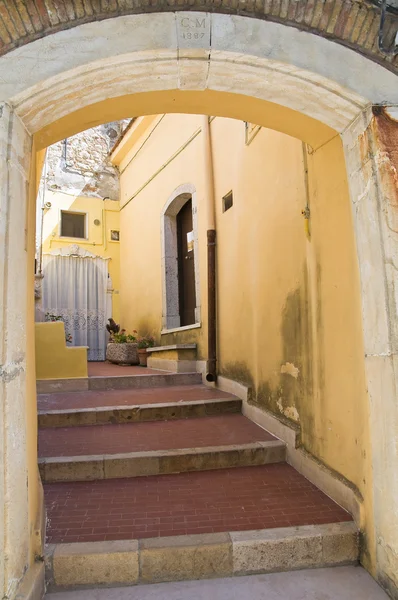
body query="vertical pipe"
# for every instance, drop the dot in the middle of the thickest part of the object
(211, 374)
(209, 174)
(211, 370)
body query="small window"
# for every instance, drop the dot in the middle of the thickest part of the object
(227, 201)
(73, 224)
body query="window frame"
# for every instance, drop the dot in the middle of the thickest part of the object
(73, 212)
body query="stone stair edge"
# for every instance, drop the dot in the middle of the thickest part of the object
(138, 413)
(160, 462)
(201, 556)
(138, 407)
(172, 347)
(166, 452)
(83, 384)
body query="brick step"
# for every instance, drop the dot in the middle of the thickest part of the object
(138, 413)
(242, 498)
(227, 522)
(98, 398)
(148, 448)
(117, 382)
(219, 430)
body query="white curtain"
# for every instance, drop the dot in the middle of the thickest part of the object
(75, 288)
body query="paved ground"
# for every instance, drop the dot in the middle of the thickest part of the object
(341, 583)
(220, 430)
(97, 398)
(234, 499)
(105, 369)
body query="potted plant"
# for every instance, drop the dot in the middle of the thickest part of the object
(122, 348)
(144, 342)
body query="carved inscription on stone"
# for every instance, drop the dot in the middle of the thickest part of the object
(193, 30)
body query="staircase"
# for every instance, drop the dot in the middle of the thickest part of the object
(156, 477)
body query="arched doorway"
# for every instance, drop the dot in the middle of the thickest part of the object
(254, 70)
(180, 261)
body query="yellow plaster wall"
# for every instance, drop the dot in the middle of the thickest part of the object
(337, 423)
(54, 360)
(140, 222)
(260, 246)
(289, 315)
(98, 236)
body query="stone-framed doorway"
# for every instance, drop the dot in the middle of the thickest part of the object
(170, 284)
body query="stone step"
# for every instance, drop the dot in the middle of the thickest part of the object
(156, 447)
(204, 556)
(217, 430)
(46, 386)
(107, 398)
(161, 462)
(138, 413)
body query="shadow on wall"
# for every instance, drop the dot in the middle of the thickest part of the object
(301, 377)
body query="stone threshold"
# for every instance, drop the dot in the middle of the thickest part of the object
(161, 462)
(203, 556)
(138, 413)
(172, 347)
(117, 382)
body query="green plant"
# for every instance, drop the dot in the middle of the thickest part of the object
(146, 341)
(122, 337)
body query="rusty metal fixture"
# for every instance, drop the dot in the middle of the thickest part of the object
(211, 373)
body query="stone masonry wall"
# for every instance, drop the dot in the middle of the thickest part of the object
(80, 164)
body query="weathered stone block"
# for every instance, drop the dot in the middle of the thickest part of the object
(290, 548)
(96, 563)
(73, 468)
(185, 557)
(340, 543)
(276, 549)
(135, 464)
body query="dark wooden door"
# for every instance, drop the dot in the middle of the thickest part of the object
(186, 266)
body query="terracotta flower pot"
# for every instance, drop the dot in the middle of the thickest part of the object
(122, 354)
(142, 356)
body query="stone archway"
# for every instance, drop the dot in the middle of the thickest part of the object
(251, 69)
(351, 24)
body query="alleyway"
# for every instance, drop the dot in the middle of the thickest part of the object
(341, 583)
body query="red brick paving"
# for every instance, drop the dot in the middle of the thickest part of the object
(162, 435)
(204, 502)
(97, 398)
(105, 369)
